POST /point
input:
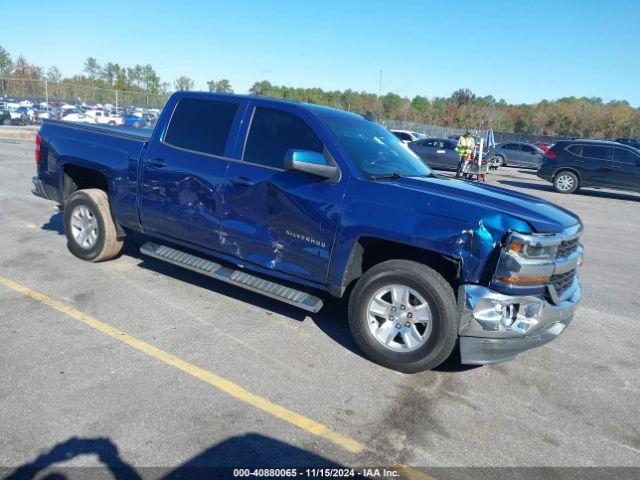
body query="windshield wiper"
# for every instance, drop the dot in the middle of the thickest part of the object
(395, 175)
(386, 175)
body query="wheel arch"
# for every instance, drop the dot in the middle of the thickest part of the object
(368, 251)
(76, 177)
(567, 169)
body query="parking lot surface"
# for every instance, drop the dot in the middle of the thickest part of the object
(66, 380)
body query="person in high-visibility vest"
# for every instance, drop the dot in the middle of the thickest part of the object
(465, 147)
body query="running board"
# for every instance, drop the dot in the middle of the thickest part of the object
(235, 277)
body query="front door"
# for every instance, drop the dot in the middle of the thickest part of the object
(596, 164)
(183, 173)
(278, 219)
(625, 169)
(530, 156)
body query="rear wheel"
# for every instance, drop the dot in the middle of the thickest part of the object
(566, 182)
(500, 161)
(402, 314)
(89, 227)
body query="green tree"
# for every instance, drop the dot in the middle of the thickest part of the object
(54, 75)
(5, 63)
(262, 88)
(184, 83)
(92, 68)
(223, 86)
(391, 105)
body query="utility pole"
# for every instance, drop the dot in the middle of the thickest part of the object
(46, 93)
(379, 89)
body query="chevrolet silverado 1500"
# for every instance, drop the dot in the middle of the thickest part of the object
(293, 200)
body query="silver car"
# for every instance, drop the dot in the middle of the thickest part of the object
(518, 154)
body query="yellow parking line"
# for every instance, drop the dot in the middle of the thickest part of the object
(206, 376)
(220, 383)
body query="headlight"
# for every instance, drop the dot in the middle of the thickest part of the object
(520, 246)
(526, 261)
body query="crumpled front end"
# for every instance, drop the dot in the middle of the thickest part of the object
(530, 300)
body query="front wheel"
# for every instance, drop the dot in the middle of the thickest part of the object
(89, 227)
(566, 182)
(402, 314)
(499, 161)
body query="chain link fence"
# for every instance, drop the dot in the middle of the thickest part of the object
(444, 132)
(45, 91)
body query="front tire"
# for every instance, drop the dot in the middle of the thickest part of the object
(566, 182)
(89, 226)
(500, 161)
(402, 314)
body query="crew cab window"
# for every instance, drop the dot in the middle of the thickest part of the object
(625, 156)
(595, 151)
(273, 132)
(201, 125)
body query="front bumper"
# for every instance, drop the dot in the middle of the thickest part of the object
(494, 327)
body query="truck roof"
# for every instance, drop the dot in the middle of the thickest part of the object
(317, 109)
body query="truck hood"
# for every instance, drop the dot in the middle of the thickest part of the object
(543, 216)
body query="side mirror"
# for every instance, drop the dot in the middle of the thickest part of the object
(312, 163)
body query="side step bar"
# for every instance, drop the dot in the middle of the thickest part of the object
(235, 277)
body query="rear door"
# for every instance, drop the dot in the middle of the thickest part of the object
(514, 152)
(625, 169)
(183, 172)
(274, 218)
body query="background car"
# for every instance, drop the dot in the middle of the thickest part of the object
(572, 164)
(632, 142)
(438, 153)
(134, 121)
(407, 135)
(517, 154)
(544, 146)
(5, 117)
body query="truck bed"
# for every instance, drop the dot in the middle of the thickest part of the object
(130, 132)
(114, 152)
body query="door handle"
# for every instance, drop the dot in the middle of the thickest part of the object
(243, 181)
(158, 163)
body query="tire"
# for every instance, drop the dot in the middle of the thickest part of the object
(566, 182)
(500, 160)
(100, 241)
(136, 124)
(428, 287)
(6, 121)
(112, 123)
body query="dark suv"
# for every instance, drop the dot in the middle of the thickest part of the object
(571, 164)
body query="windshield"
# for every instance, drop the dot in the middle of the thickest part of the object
(374, 149)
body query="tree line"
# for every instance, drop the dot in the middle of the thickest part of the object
(571, 116)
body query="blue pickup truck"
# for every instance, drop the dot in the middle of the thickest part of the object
(298, 201)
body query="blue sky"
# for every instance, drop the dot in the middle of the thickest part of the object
(517, 50)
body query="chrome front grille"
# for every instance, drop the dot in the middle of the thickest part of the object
(562, 282)
(567, 247)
